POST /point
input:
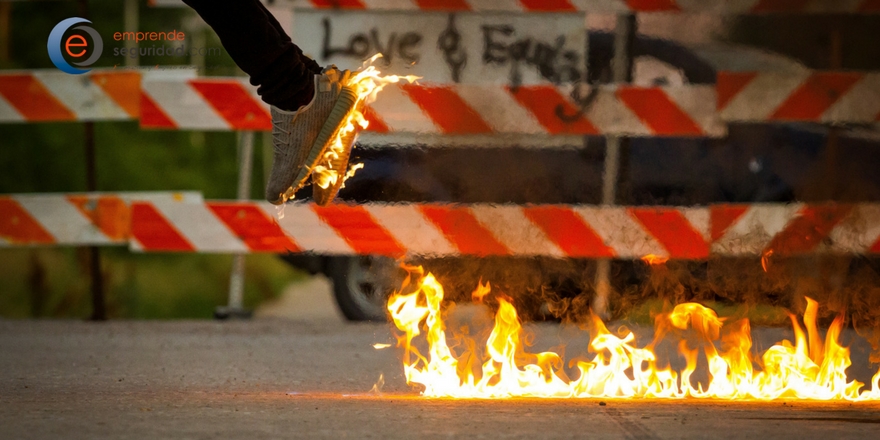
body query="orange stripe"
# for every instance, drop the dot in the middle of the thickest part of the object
(722, 216)
(257, 230)
(464, 231)
(234, 104)
(869, 6)
(360, 230)
(123, 87)
(548, 5)
(444, 5)
(875, 248)
(33, 100)
(18, 226)
(815, 95)
(110, 214)
(154, 231)
(673, 231)
(568, 230)
(657, 111)
(652, 5)
(729, 84)
(338, 4)
(376, 124)
(447, 109)
(812, 226)
(546, 103)
(152, 116)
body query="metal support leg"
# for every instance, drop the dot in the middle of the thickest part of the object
(235, 307)
(621, 70)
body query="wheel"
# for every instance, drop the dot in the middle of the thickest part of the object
(362, 285)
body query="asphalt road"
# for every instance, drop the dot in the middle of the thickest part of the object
(274, 378)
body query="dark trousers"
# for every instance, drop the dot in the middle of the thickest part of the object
(260, 47)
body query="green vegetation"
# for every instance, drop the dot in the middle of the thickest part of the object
(53, 282)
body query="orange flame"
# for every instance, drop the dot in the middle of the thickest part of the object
(368, 82)
(654, 260)
(807, 369)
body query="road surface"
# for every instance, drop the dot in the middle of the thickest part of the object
(310, 378)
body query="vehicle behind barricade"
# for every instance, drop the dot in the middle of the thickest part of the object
(560, 131)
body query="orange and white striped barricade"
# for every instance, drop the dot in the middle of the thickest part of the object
(75, 219)
(421, 229)
(433, 109)
(561, 231)
(794, 229)
(828, 97)
(51, 96)
(606, 6)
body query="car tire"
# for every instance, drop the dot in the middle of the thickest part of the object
(362, 285)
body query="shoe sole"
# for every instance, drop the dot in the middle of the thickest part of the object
(323, 196)
(343, 106)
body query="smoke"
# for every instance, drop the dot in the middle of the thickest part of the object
(763, 291)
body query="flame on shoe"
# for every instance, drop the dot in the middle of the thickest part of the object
(367, 83)
(809, 368)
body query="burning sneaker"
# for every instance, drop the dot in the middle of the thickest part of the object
(331, 172)
(301, 138)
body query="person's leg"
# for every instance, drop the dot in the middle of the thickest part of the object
(259, 46)
(308, 104)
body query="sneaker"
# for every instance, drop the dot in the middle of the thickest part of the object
(330, 173)
(301, 138)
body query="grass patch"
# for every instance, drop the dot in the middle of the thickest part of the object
(54, 283)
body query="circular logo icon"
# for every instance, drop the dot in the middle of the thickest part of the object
(74, 46)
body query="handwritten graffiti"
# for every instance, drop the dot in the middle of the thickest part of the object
(553, 62)
(362, 45)
(454, 54)
(504, 46)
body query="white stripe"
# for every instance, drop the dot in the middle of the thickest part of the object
(698, 102)
(515, 231)
(499, 109)
(201, 227)
(81, 95)
(752, 232)
(391, 5)
(601, 5)
(762, 96)
(610, 115)
(62, 219)
(699, 218)
(619, 231)
(308, 230)
(858, 231)
(411, 229)
(184, 105)
(8, 113)
(496, 5)
(860, 104)
(400, 113)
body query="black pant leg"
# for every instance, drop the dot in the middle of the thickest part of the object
(260, 47)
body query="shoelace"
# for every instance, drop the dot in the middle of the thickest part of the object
(277, 131)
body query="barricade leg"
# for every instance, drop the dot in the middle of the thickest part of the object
(621, 67)
(235, 307)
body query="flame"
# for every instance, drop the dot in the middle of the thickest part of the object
(765, 259)
(367, 82)
(654, 260)
(809, 368)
